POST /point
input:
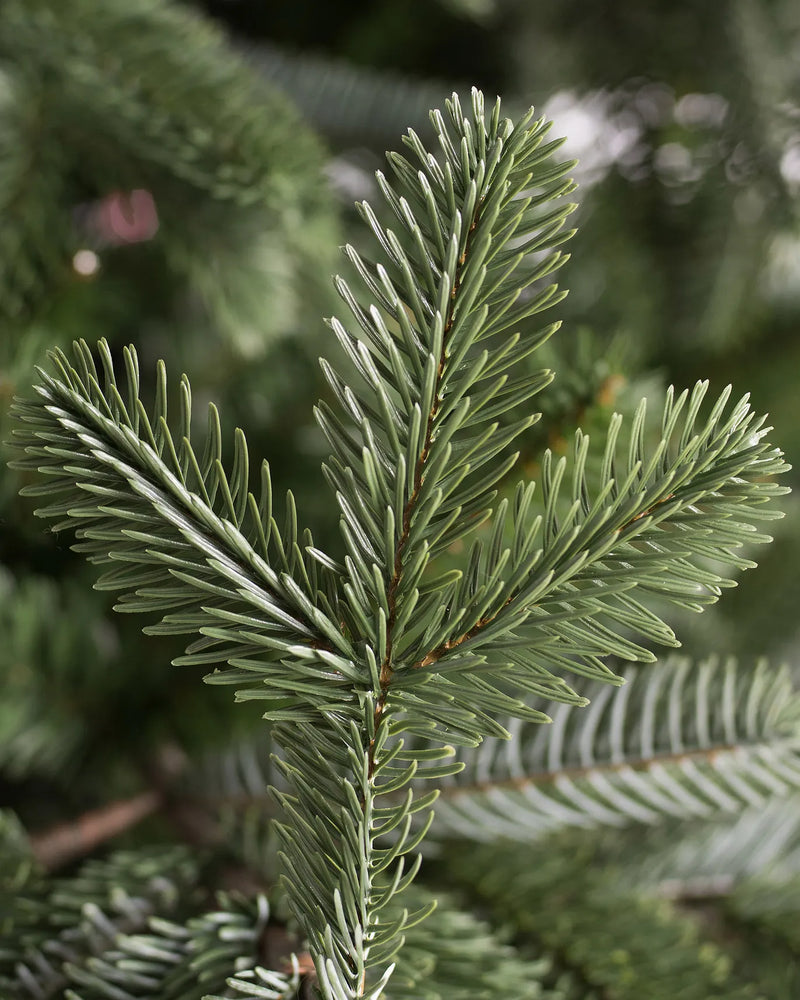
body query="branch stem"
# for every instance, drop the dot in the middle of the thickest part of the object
(387, 669)
(576, 773)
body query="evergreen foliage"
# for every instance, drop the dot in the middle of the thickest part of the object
(678, 740)
(51, 928)
(621, 944)
(484, 771)
(373, 666)
(163, 88)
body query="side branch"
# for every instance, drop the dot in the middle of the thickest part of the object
(450, 644)
(123, 470)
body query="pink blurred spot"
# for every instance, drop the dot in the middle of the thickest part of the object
(126, 217)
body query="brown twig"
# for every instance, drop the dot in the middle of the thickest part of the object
(76, 838)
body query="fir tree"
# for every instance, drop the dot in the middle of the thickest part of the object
(461, 609)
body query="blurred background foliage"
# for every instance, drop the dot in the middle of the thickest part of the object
(180, 176)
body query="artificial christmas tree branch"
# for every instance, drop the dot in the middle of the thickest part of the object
(372, 668)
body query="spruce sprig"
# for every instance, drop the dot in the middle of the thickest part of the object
(370, 668)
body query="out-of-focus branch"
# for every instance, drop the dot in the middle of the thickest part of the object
(76, 838)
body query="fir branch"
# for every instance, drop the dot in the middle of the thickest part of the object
(773, 905)
(651, 526)
(336, 651)
(175, 961)
(432, 357)
(678, 740)
(58, 925)
(757, 922)
(206, 557)
(620, 943)
(456, 956)
(725, 851)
